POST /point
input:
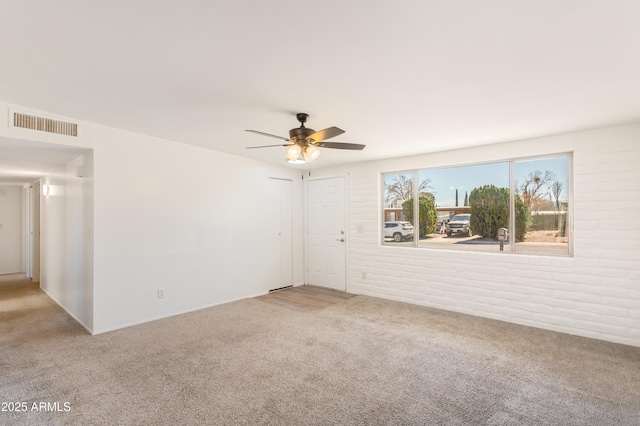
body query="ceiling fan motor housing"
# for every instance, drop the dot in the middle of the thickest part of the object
(300, 133)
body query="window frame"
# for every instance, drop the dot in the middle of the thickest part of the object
(414, 173)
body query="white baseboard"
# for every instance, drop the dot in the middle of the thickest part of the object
(67, 311)
(173, 314)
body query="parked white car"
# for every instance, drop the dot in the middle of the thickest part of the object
(398, 230)
(459, 224)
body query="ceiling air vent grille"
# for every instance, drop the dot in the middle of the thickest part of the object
(44, 124)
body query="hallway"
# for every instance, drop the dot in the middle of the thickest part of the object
(25, 308)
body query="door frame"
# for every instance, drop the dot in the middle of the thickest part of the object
(33, 225)
(308, 178)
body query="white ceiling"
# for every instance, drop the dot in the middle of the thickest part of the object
(402, 77)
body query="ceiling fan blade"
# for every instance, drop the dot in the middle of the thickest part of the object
(324, 134)
(268, 146)
(340, 145)
(267, 134)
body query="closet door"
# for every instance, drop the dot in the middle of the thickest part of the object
(280, 221)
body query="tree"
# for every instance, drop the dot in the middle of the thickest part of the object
(490, 212)
(401, 189)
(428, 217)
(556, 191)
(466, 198)
(456, 198)
(534, 190)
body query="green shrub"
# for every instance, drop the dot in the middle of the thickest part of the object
(490, 212)
(427, 213)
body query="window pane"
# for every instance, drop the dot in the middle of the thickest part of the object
(462, 208)
(398, 220)
(542, 188)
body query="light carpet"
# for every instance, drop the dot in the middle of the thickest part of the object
(363, 361)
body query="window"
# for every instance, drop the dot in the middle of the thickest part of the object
(519, 206)
(453, 191)
(398, 226)
(543, 187)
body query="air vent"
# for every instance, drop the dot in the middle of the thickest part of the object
(44, 124)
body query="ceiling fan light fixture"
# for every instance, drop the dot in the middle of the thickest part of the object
(310, 153)
(293, 153)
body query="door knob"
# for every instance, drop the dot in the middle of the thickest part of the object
(341, 240)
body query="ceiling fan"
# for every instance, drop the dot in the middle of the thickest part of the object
(304, 142)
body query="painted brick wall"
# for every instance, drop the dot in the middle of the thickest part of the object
(596, 293)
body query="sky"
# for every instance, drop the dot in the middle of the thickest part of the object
(444, 182)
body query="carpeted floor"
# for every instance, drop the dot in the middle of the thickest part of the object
(360, 361)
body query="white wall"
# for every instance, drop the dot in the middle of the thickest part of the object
(66, 244)
(179, 218)
(174, 217)
(595, 294)
(10, 229)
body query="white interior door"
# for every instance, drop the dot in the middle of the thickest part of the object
(326, 232)
(286, 233)
(281, 232)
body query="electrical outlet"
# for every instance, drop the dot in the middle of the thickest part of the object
(160, 293)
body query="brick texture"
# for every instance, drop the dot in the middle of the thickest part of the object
(595, 293)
